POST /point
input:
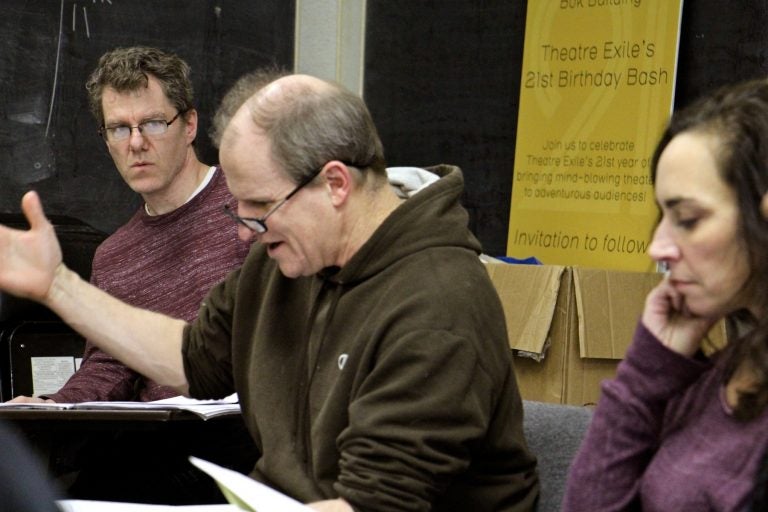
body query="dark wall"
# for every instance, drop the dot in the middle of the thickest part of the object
(442, 80)
(720, 43)
(48, 137)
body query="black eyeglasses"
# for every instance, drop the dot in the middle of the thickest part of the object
(259, 225)
(150, 128)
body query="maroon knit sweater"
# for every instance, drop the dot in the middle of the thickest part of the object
(165, 263)
(663, 439)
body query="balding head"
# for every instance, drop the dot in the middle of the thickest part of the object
(308, 122)
(287, 87)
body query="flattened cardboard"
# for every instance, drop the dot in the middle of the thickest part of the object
(529, 294)
(569, 327)
(609, 304)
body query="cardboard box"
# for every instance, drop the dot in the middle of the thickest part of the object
(569, 327)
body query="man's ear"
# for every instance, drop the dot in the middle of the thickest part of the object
(191, 125)
(764, 206)
(338, 181)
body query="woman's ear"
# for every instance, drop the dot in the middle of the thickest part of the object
(764, 206)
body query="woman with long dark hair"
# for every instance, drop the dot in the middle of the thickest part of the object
(676, 430)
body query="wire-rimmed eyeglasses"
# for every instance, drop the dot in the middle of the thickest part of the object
(259, 225)
(150, 128)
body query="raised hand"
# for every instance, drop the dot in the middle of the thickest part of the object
(29, 259)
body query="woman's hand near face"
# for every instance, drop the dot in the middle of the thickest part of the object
(668, 318)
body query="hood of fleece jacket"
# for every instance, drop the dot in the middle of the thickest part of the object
(431, 217)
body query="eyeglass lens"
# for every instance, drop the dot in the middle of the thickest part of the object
(151, 128)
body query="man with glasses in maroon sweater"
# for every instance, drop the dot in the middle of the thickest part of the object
(169, 253)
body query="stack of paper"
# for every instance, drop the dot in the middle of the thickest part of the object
(204, 408)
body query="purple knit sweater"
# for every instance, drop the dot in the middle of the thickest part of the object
(663, 439)
(165, 263)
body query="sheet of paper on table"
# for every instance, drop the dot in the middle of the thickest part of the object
(242, 492)
(204, 408)
(247, 493)
(109, 506)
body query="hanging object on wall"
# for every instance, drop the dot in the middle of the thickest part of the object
(597, 87)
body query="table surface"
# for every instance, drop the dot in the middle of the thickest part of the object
(106, 453)
(7, 414)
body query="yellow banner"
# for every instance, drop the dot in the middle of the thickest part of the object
(597, 88)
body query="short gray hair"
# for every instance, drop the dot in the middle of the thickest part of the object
(307, 125)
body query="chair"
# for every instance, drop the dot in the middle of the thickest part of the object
(554, 433)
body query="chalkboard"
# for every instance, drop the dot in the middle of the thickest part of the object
(48, 138)
(442, 80)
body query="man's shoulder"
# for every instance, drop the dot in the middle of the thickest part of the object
(118, 237)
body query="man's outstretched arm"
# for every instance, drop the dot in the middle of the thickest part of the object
(31, 266)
